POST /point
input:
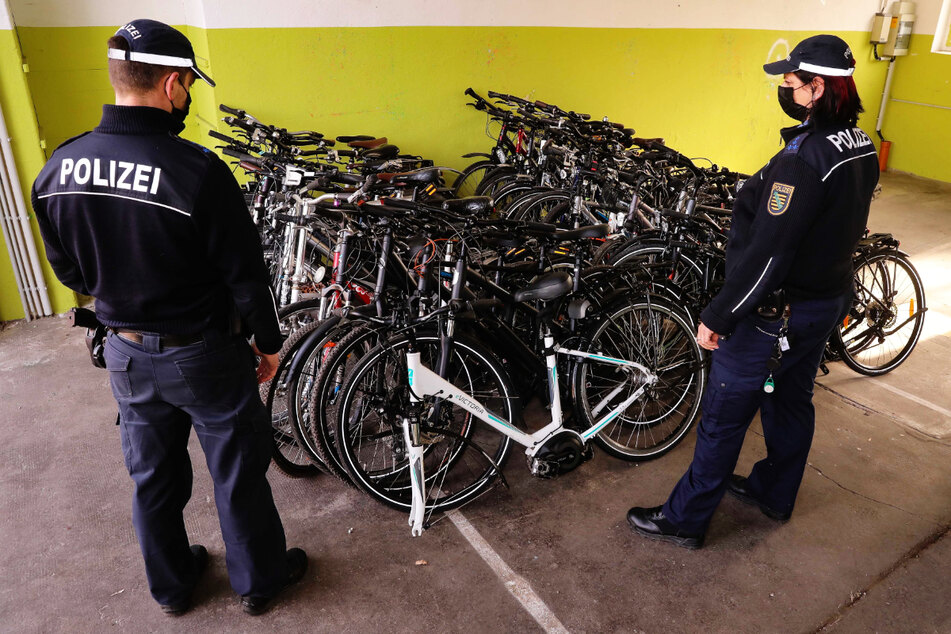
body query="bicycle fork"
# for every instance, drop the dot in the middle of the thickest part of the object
(414, 452)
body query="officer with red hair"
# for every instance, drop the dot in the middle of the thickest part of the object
(788, 282)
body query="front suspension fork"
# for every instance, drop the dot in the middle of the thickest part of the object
(414, 453)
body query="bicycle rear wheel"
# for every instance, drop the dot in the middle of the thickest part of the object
(886, 317)
(462, 456)
(316, 428)
(655, 334)
(288, 456)
(468, 181)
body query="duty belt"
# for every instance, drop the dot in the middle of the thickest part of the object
(167, 341)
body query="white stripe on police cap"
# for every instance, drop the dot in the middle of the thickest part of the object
(151, 58)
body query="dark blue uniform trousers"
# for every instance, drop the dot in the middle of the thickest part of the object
(733, 395)
(162, 394)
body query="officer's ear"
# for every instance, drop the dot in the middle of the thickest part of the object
(169, 83)
(818, 87)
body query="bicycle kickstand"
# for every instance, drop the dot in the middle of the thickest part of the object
(414, 451)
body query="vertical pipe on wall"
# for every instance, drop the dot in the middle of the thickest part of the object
(16, 242)
(6, 218)
(885, 92)
(32, 273)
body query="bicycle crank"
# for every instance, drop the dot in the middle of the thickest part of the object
(559, 454)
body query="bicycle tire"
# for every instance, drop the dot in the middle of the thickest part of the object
(286, 454)
(654, 333)
(318, 433)
(468, 181)
(887, 315)
(295, 316)
(688, 276)
(369, 429)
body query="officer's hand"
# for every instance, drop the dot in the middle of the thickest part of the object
(707, 338)
(267, 365)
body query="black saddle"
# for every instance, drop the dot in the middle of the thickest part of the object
(582, 233)
(471, 206)
(545, 287)
(424, 176)
(382, 152)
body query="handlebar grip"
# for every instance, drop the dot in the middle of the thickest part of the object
(495, 95)
(471, 93)
(247, 158)
(348, 179)
(221, 137)
(239, 123)
(238, 113)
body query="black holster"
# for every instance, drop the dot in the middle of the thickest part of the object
(95, 334)
(772, 306)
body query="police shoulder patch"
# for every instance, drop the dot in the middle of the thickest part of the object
(779, 198)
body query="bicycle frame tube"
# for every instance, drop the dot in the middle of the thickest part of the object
(425, 382)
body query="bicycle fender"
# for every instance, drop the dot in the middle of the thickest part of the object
(475, 154)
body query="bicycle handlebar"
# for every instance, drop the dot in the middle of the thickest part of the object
(233, 111)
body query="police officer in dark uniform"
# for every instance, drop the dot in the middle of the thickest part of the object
(156, 229)
(788, 282)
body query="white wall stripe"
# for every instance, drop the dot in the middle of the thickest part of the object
(6, 20)
(813, 15)
(516, 585)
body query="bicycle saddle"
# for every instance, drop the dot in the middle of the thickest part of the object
(592, 231)
(423, 176)
(383, 152)
(355, 137)
(471, 206)
(368, 144)
(545, 287)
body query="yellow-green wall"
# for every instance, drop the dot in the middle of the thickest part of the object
(15, 99)
(920, 135)
(703, 90)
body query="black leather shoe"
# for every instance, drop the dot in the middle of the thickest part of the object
(739, 488)
(653, 524)
(296, 567)
(200, 555)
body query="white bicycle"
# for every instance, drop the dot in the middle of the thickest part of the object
(427, 418)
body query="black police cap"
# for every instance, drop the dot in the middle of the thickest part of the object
(153, 42)
(820, 54)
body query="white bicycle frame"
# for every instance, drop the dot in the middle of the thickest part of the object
(424, 382)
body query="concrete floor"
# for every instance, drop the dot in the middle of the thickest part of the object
(866, 551)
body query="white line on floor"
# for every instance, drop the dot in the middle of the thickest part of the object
(916, 399)
(516, 585)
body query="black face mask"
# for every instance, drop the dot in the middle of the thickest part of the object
(178, 113)
(797, 111)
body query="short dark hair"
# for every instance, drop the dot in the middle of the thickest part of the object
(136, 77)
(839, 103)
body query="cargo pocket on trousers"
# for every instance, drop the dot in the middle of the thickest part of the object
(118, 366)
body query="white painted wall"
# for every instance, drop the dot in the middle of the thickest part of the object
(6, 21)
(802, 15)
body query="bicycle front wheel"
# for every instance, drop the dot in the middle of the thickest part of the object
(886, 317)
(462, 456)
(657, 335)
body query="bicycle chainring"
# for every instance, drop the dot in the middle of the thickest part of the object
(560, 454)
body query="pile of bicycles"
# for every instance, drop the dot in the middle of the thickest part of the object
(569, 264)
